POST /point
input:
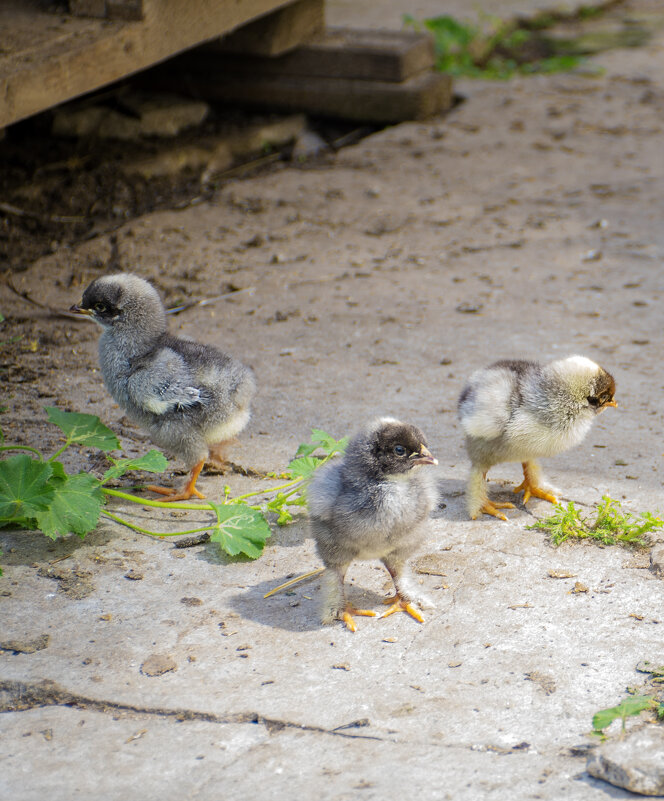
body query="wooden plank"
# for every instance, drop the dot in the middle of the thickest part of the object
(124, 9)
(336, 53)
(87, 8)
(107, 9)
(418, 98)
(47, 58)
(278, 32)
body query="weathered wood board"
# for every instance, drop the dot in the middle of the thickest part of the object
(417, 98)
(48, 58)
(279, 31)
(372, 76)
(336, 52)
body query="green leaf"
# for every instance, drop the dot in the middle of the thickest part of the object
(240, 529)
(321, 439)
(24, 489)
(630, 706)
(75, 507)
(153, 461)
(86, 429)
(328, 443)
(303, 467)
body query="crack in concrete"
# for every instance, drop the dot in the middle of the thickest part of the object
(19, 696)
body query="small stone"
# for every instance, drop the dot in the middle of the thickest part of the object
(469, 308)
(579, 587)
(134, 575)
(26, 646)
(148, 115)
(560, 574)
(158, 664)
(191, 601)
(308, 144)
(341, 666)
(657, 560)
(635, 762)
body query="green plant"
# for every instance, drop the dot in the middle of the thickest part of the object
(611, 525)
(646, 697)
(12, 339)
(37, 493)
(494, 48)
(633, 705)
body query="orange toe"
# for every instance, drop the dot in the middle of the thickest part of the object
(400, 605)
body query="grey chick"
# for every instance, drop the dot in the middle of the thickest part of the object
(191, 398)
(519, 411)
(372, 503)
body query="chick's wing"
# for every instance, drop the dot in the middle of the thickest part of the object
(163, 383)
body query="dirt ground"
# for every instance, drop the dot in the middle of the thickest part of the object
(525, 223)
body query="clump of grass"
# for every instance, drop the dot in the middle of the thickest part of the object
(611, 526)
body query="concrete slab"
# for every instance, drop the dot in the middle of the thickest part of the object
(360, 266)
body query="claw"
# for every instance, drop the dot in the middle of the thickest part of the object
(349, 611)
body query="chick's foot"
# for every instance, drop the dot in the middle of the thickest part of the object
(172, 495)
(399, 604)
(529, 485)
(492, 507)
(349, 611)
(186, 493)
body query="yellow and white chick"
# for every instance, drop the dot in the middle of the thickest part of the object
(520, 411)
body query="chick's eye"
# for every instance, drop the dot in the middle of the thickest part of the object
(399, 450)
(99, 307)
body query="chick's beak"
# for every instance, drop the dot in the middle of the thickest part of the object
(424, 456)
(612, 403)
(79, 310)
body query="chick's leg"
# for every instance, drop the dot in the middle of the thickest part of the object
(406, 594)
(477, 498)
(187, 492)
(532, 478)
(218, 456)
(335, 606)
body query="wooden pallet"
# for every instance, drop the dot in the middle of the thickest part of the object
(48, 58)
